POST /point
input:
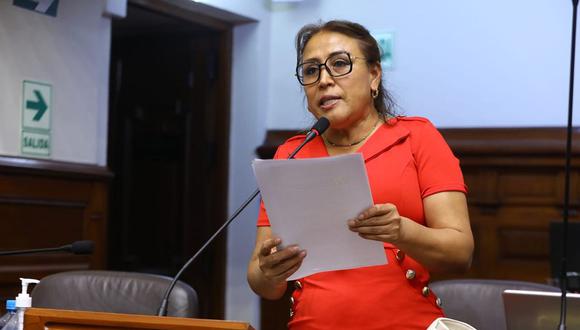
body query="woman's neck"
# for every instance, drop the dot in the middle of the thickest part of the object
(352, 138)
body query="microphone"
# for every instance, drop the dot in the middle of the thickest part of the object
(78, 247)
(317, 129)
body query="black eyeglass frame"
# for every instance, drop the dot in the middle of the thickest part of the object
(351, 59)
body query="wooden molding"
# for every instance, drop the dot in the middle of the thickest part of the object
(473, 141)
(510, 141)
(195, 12)
(44, 167)
(41, 318)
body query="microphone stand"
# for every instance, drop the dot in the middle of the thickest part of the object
(163, 308)
(318, 128)
(563, 274)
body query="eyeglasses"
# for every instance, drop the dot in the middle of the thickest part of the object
(337, 65)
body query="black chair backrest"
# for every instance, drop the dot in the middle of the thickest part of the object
(114, 292)
(573, 251)
(479, 302)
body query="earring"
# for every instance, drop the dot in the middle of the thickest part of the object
(374, 93)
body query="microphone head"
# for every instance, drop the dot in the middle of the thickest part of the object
(321, 125)
(317, 129)
(82, 247)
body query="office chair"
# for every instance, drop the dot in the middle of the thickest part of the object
(479, 302)
(113, 292)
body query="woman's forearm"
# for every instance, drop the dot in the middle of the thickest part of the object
(438, 249)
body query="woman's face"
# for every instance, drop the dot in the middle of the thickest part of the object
(344, 100)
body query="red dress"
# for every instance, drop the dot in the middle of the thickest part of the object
(406, 160)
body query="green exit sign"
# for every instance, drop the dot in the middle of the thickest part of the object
(36, 113)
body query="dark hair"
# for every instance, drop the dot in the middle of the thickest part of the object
(384, 102)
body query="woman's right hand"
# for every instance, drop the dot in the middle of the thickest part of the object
(271, 265)
(278, 264)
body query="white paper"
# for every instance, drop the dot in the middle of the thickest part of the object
(309, 202)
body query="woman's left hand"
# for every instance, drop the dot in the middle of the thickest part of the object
(380, 222)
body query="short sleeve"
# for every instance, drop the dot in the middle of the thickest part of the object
(263, 220)
(437, 167)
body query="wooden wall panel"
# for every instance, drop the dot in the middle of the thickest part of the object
(516, 182)
(49, 204)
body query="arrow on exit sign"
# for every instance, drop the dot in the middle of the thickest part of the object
(36, 105)
(47, 7)
(39, 105)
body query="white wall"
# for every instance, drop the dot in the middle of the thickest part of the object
(247, 131)
(459, 63)
(71, 52)
(248, 122)
(249, 110)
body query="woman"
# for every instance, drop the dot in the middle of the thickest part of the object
(419, 213)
